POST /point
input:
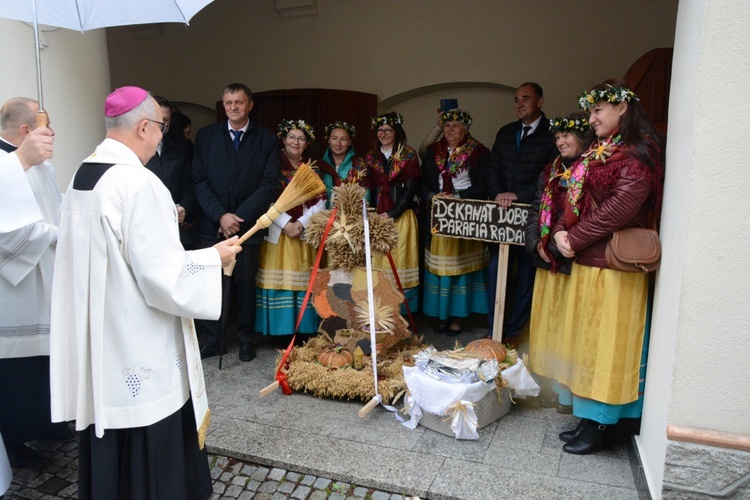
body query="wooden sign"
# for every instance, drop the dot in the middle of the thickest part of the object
(479, 220)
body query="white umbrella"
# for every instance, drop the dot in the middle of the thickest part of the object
(83, 15)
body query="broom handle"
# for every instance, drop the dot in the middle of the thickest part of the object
(269, 389)
(257, 227)
(368, 407)
(262, 223)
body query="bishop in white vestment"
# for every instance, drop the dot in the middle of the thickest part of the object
(124, 355)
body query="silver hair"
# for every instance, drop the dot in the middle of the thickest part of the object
(16, 112)
(147, 109)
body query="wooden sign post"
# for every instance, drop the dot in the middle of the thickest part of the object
(486, 221)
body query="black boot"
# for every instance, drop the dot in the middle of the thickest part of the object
(569, 436)
(593, 437)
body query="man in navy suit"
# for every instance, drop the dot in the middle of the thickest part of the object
(522, 149)
(235, 178)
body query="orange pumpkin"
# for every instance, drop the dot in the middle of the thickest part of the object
(335, 357)
(488, 348)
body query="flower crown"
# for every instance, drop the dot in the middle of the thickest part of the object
(613, 95)
(391, 119)
(565, 124)
(342, 125)
(286, 125)
(456, 116)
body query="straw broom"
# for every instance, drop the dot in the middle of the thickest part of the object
(304, 186)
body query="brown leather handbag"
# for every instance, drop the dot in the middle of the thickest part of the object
(634, 249)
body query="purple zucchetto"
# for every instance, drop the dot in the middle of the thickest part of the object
(123, 100)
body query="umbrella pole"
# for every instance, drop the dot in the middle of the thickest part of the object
(41, 116)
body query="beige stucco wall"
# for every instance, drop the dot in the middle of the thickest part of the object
(388, 47)
(700, 347)
(715, 300)
(75, 72)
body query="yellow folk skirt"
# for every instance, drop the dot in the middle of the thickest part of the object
(406, 255)
(285, 265)
(587, 331)
(455, 256)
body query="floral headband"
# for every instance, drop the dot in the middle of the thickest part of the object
(342, 125)
(565, 124)
(612, 95)
(456, 116)
(286, 125)
(391, 119)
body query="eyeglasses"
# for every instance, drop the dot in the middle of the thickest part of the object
(385, 131)
(162, 125)
(294, 138)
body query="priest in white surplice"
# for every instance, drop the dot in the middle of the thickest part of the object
(29, 204)
(18, 208)
(125, 361)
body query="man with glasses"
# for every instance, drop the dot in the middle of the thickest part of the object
(236, 172)
(124, 357)
(171, 166)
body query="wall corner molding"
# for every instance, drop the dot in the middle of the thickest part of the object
(296, 8)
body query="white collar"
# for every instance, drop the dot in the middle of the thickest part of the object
(244, 129)
(533, 125)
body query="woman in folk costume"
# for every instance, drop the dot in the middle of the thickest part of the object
(285, 257)
(605, 331)
(573, 135)
(454, 283)
(391, 177)
(338, 162)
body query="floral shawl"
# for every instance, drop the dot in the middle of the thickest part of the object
(557, 177)
(402, 166)
(458, 161)
(287, 173)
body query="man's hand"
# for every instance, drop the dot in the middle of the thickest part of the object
(180, 214)
(36, 147)
(563, 244)
(505, 199)
(230, 224)
(542, 253)
(227, 251)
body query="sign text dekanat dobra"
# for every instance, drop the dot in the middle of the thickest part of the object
(479, 220)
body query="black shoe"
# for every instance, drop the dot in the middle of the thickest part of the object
(569, 436)
(209, 351)
(22, 457)
(247, 352)
(592, 438)
(439, 330)
(452, 333)
(564, 409)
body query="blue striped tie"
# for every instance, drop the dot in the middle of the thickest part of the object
(237, 137)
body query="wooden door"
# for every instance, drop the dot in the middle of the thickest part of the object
(318, 107)
(650, 77)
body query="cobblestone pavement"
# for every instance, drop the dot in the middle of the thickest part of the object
(231, 479)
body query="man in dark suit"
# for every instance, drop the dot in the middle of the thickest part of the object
(236, 172)
(171, 166)
(522, 148)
